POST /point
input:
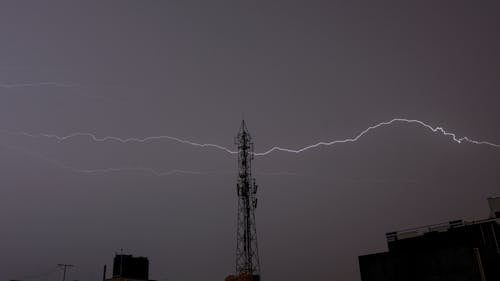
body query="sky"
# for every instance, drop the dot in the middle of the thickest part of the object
(298, 72)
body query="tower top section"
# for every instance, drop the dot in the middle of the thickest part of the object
(244, 141)
(243, 130)
(243, 127)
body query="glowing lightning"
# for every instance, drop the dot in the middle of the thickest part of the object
(93, 137)
(356, 138)
(109, 170)
(122, 140)
(146, 170)
(37, 84)
(10, 86)
(273, 149)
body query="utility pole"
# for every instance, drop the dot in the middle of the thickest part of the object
(247, 254)
(64, 266)
(104, 273)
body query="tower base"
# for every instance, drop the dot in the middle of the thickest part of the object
(243, 277)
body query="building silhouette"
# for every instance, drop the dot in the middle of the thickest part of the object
(130, 268)
(454, 251)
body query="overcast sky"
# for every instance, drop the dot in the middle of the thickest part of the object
(298, 72)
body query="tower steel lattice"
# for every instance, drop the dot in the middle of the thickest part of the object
(247, 255)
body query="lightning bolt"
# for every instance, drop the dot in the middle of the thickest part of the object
(9, 86)
(95, 138)
(155, 172)
(152, 171)
(379, 125)
(37, 84)
(121, 140)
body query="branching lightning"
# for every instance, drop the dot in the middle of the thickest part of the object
(440, 130)
(37, 84)
(48, 84)
(122, 140)
(382, 124)
(95, 138)
(152, 171)
(146, 170)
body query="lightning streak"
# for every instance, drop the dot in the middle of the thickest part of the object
(155, 172)
(94, 138)
(152, 171)
(9, 86)
(387, 123)
(122, 140)
(37, 84)
(146, 170)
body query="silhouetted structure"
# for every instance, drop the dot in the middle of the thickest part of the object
(241, 277)
(128, 267)
(456, 251)
(64, 268)
(247, 255)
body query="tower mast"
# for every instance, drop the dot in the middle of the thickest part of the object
(247, 255)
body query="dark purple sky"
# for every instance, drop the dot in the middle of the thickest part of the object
(299, 73)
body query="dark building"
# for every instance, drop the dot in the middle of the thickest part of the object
(454, 251)
(128, 267)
